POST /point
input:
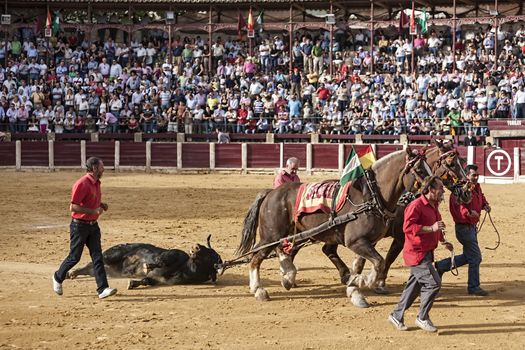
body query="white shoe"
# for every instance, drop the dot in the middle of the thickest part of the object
(107, 293)
(426, 325)
(57, 287)
(400, 326)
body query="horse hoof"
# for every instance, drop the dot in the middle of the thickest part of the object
(262, 295)
(287, 284)
(360, 302)
(356, 297)
(381, 290)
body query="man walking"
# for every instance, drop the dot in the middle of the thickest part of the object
(86, 207)
(423, 229)
(288, 174)
(466, 217)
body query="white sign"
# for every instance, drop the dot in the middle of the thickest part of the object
(503, 162)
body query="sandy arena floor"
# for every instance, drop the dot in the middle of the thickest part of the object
(181, 210)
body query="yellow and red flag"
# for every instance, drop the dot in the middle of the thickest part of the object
(250, 20)
(366, 157)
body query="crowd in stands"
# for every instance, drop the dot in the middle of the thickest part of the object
(71, 85)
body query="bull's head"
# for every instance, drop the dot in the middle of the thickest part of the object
(207, 257)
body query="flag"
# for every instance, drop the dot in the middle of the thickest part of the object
(423, 22)
(48, 19)
(250, 20)
(366, 157)
(403, 21)
(353, 169)
(413, 21)
(260, 21)
(56, 23)
(241, 24)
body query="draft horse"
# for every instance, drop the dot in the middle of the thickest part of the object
(449, 167)
(273, 213)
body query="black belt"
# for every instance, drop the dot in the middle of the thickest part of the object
(85, 222)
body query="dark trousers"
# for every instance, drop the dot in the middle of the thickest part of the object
(467, 235)
(424, 281)
(81, 235)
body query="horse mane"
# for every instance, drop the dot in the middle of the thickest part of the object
(386, 159)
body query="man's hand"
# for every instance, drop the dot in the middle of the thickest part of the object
(99, 210)
(487, 208)
(448, 246)
(473, 214)
(104, 206)
(438, 226)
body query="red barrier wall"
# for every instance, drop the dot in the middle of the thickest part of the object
(496, 161)
(133, 153)
(228, 155)
(67, 153)
(8, 154)
(104, 150)
(297, 150)
(263, 155)
(383, 150)
(35, 153)
(196, 155)
(325, 156)
(164, 154)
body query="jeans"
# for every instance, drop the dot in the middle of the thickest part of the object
(468, 237)
(80, 235)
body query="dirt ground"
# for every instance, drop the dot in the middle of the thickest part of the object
(180, 210)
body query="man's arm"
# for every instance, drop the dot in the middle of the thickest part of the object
(76, 208)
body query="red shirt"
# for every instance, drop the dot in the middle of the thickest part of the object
(86, 193)
(284, 177)
(419, 213)
(460, 212)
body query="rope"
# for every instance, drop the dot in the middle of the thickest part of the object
(453, 268)
(480, 226)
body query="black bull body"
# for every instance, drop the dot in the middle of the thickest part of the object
(152, 265)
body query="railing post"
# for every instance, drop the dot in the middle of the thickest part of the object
(281, 155)
(358, 139)
(51, 154)
(244, 157)
(309, 159)
(179, 154)
(137, 137)
(470, 154)
(83, 154)
(148, 155)
(314, 137)
(18, 162)
(212, 155)
(117, 155)
(270, 138)
(341, 158)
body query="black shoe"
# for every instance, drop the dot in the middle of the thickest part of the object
(479, 292)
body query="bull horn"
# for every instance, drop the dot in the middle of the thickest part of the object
(208, 241)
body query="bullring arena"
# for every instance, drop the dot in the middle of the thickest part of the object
(176, 210)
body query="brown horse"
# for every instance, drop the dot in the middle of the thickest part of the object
(450, 168)
(273, 212)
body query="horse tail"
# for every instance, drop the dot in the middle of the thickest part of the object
(251, 221)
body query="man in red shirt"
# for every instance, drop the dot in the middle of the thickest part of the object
(466, 217)
(288, 174)
(423, 229)
(86, 207)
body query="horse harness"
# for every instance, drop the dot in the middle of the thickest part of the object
(375, 204)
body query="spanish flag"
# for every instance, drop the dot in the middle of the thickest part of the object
(250, 20)
(366, 157)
